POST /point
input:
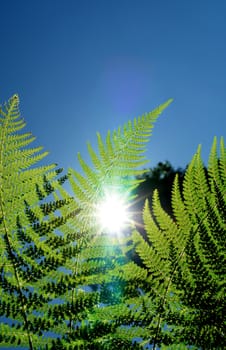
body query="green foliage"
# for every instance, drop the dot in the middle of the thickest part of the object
(27, 225)
(65, 284)
(50, 257)
(101, 259)
(114, 166)
(185, 257)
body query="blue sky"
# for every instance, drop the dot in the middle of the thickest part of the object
(86, 66)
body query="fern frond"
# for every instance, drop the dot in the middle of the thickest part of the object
(193, 245)
(26, 224)
(118, 158)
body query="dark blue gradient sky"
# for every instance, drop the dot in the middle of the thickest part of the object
(86, 66)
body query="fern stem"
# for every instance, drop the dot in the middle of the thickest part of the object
(164, 297)
(73, 293)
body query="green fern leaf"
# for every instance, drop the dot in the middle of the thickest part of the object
(193, 246)
(120, 154)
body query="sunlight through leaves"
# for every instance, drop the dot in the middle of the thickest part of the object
(112, 214)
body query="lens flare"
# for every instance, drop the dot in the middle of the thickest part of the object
(112, 214)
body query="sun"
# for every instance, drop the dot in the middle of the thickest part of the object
(112, 214)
